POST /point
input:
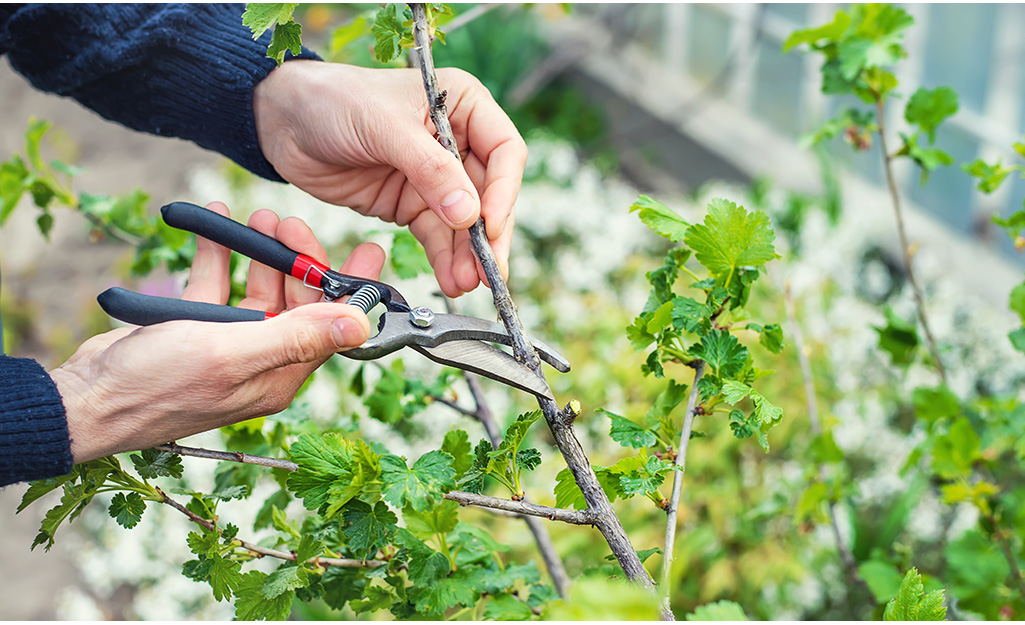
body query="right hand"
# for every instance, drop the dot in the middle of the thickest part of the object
(131, 389)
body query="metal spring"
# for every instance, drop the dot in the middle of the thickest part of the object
(365, 298)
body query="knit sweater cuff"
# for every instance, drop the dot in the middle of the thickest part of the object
(34, 441)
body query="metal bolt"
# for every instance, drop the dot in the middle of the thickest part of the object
(421, 317)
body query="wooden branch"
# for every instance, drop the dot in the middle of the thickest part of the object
(674, 501)
(905, 245)
(574, 517)
(559, 421)
(260, 552)
(850, 564)
(229, 456)
(483, 414)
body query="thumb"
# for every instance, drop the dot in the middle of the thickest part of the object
(438, 177)
(307, 334)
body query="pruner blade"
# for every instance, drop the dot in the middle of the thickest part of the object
(397, 332)
(489, 361)
(461, 342)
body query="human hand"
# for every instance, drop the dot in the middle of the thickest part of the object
(363, 138)
(131, 389)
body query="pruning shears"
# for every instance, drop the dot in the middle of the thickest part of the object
(453, 340)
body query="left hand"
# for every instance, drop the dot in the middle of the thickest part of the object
(363, 138)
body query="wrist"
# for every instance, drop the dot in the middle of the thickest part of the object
(90, 438)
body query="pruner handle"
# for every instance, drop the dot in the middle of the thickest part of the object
(145, 310)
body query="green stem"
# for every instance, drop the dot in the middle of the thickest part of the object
(690, 273)
(905, 245)
(443, 544)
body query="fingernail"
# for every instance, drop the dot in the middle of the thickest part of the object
(458, 206)
(346, 333)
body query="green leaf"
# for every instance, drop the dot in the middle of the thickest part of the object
(252, 605)
(899, 338)
(457, 445)
(730, 238)
(734, 392)
(1017, 301)
(528, 459)
(285, 579)
(913, 604)
(422, 485)
(45, 223)
(660, 218)
(260, 16)
(342, 585)
(1017, 338)
(127, 510)
(331, 470)
(153, 463)
(286, 38)
(627, 433)
(990, 176)
(811, 36)
(425, 565)
(1013, 225)
(722, 352)
(506, 607)
(882, 579)
(647, 478)
(935, 403)
(387, 31)
(225, 577)
(976, 565)
(660, 319)
(407, 256)
(368, 529)
(927, 109)
(309, 548)
(927, 159)
(765, 412)
(691, 316)
(771, 338)
(375, 598)
(40, 488)
(460, 588)
(954, 453)
(718, 611)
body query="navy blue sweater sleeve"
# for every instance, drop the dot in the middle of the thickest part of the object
(175, 70)
(34, 440)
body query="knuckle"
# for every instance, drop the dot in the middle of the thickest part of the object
(304, 346)
(430, 166)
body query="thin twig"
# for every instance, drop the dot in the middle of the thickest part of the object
(797, 336)
(348, 563)
(905, 246)
(674, 501)
(559, 421)
(575, 517)
(463, 19)
(229, 456)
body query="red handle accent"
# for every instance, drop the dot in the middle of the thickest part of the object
(310, 271)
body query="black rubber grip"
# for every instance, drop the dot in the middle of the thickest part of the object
(145, 310)
(231, 234)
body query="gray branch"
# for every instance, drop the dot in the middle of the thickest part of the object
(575, 517)
(228, 456)
(559, 421)
(260, 552)
(674, 500)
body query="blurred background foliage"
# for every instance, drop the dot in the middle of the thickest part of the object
(756, 528)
